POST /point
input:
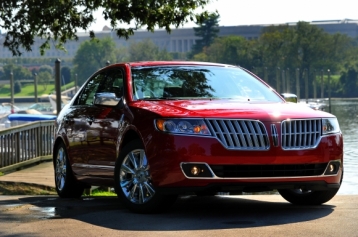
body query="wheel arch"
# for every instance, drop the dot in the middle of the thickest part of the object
(129, 136)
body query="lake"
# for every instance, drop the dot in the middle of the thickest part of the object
(347, 114)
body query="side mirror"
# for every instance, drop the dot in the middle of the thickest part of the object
(106, 98)
(289, 97)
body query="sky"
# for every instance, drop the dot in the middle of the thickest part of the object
(252, 12)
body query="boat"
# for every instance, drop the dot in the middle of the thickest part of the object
(43, 108)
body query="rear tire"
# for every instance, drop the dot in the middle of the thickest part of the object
(133, 182)
(307, 197)
(66, 184)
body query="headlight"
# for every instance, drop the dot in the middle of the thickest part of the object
(330, 125)
(183, 126)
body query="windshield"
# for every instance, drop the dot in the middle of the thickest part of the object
(199, 82)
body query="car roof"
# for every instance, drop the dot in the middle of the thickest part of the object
(179, 63)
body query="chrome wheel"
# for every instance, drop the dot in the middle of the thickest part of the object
(134, 177)
(60, 169)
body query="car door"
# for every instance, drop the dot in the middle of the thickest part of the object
(78, 124)
(102, 133)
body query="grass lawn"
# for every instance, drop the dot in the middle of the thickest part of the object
(28, 89)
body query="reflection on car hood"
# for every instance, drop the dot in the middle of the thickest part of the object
(229, 109)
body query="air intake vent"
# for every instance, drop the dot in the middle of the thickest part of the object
(300, 134)
(240, 134)
(261, 171)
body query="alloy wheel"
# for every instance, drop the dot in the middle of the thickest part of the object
(60, 171)
(135, 179)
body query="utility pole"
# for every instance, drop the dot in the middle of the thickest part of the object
(329, 89)
(298, 84)
(58, 85)
(35, 84)
(12, 92)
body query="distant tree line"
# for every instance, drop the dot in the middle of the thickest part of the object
(284, 54)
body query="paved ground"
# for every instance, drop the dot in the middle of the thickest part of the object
(255, 215)
(42, 174)
(245, 215)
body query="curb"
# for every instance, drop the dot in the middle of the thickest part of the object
(41, 186)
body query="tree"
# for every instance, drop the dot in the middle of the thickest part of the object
(44, 78)
(19, 72)
(58, 21)
(46, 68)
(66, 74)
(93, 55)
(229, 50)
(146, 50)
(207, 31)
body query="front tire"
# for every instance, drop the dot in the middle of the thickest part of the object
(66, 184)
(307, 197)
(133, 182)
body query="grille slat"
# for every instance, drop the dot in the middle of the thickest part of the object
(240, 134)
(304, 133)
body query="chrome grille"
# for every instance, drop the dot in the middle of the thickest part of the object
(240, 134)
(300, 134)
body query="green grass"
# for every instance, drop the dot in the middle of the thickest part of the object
(102, 193)
(28, 89)
(1, 173)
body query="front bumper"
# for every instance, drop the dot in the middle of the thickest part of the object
(166, 161)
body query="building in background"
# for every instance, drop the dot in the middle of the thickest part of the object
(180, 40)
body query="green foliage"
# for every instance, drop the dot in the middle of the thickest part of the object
(102, 193)
(46, 68)
(17, 87)
(44, 79)
(19, 72)
(291, 52)
(59, 21)
(2, 73)
(207, 31)
(1, 173)
(66, 74)
(93, 55)
(231, 50)
(146, 50)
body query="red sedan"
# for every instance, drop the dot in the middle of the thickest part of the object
(156, 130)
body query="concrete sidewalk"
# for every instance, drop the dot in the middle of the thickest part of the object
(41, 174)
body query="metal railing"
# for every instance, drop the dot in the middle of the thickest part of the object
(26, 143)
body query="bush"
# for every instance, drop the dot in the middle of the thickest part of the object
(17, 87)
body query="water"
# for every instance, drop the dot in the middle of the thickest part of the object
(347, 113)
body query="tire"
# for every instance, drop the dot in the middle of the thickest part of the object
(133, 183)
(66, 184)
(307, 197)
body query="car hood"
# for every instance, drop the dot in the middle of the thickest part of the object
(230, 109)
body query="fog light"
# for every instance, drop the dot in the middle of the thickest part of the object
(195, 170)
(333, 167)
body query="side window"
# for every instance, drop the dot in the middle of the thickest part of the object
(113, 83)
(87, 95)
